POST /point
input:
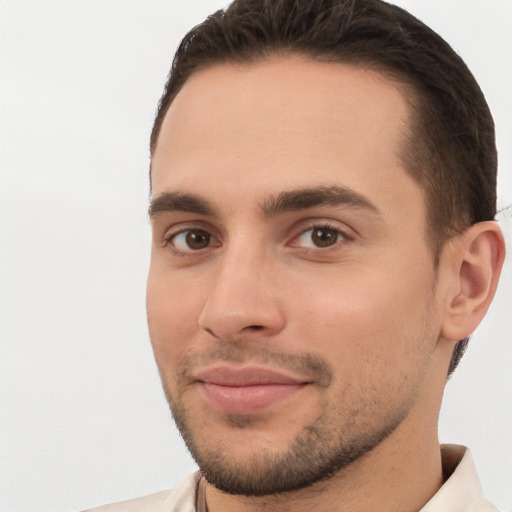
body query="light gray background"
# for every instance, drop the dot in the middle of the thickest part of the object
(83, 418)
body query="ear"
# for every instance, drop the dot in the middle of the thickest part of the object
(475, 259)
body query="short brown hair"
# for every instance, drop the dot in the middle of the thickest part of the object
(450, 147)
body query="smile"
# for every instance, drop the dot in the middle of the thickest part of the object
(246, 390)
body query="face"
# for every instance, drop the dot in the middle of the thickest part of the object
(291, 296)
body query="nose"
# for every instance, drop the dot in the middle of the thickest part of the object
(242, 301)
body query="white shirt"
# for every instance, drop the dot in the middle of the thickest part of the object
(460, 493)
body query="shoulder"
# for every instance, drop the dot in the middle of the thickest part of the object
(141, 504)
(180, 499)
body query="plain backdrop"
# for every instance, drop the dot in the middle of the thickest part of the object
(83, 419)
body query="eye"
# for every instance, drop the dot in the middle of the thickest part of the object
(192, 240)
(319, 237)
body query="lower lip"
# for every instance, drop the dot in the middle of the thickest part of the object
(247, 399)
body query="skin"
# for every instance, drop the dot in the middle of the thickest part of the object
(369, 309)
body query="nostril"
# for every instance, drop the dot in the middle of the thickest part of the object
(255, 327)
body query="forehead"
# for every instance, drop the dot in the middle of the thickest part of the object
(282, 123)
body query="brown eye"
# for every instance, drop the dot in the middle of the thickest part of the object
(324, 237)
(319, 237)
(191, 239)
(198, 239)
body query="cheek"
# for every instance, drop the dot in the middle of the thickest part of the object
(173, 310)
(378, 341)
(366, 314)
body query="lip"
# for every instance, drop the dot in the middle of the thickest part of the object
(246, 389)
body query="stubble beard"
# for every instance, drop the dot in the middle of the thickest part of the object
(320, 450)
(350, 424)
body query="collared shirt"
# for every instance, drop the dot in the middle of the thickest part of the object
(461, 491)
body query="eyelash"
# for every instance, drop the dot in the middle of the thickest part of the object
(324, 226)
(168, 240)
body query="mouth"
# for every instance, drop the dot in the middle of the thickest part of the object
(246, 389)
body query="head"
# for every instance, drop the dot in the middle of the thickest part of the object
(317, 167)
(450, 146)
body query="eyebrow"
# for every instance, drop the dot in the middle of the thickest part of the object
(181, 202)
(288, 201)
(303, 198)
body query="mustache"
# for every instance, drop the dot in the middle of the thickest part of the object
(304, 363)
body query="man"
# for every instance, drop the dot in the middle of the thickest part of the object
(323, 179)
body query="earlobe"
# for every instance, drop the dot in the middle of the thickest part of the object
(477, 259)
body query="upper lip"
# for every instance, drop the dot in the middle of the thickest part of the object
(239, 376)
